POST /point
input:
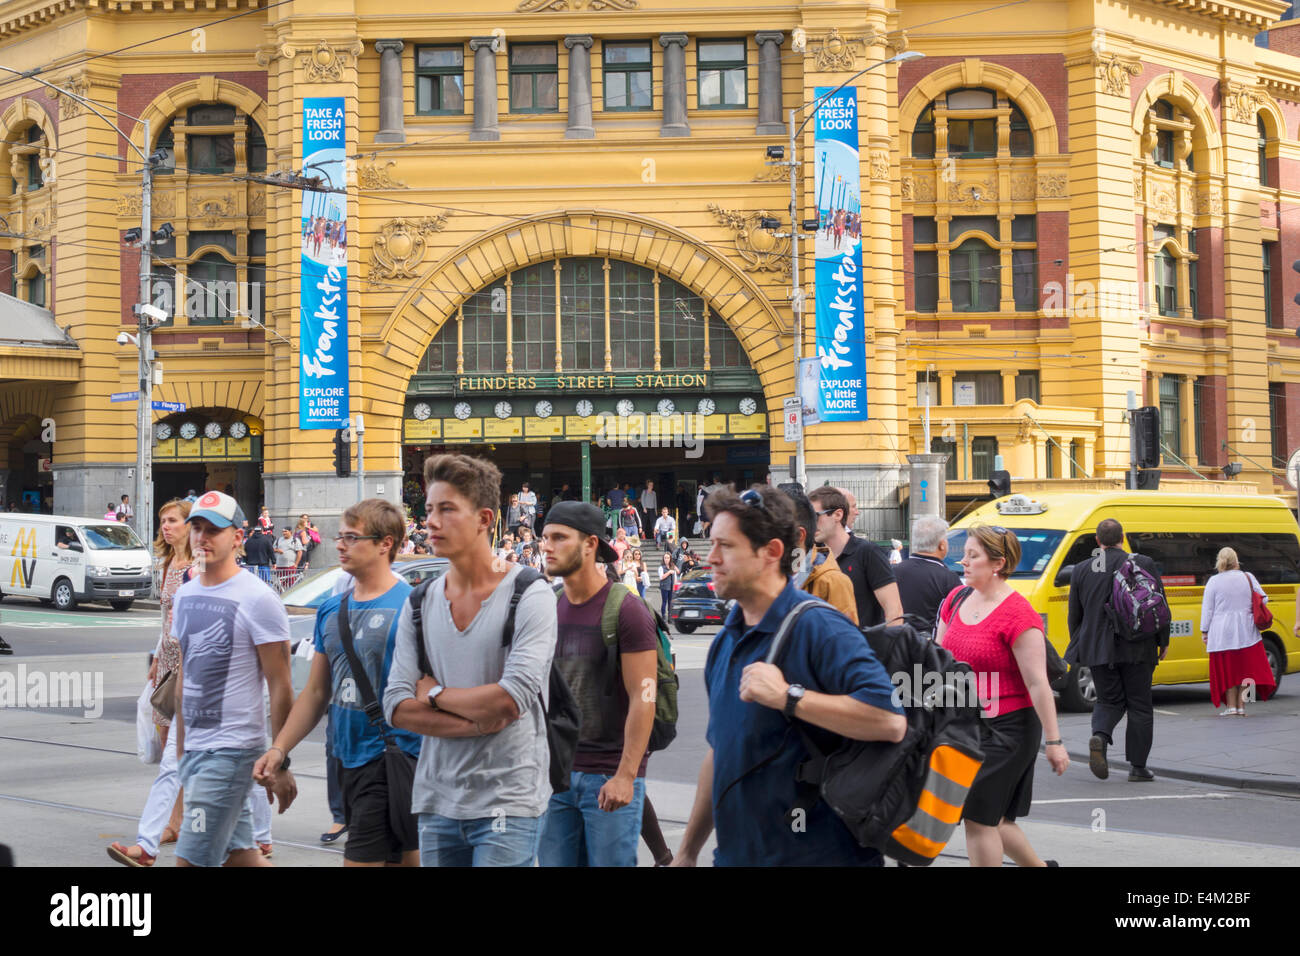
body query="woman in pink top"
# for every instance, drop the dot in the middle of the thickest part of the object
(998, 633)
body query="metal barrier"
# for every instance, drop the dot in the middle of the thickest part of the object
(279, 579)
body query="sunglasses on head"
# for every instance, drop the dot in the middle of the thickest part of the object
(754, 500)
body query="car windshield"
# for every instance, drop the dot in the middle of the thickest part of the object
(1037, 545)
(112, 537)
(314, 591)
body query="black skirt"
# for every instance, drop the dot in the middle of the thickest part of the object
(1004, 787)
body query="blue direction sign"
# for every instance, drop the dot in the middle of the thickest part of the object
(157, 406)
(124, 397)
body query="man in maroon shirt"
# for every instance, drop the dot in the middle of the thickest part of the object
(597, 822)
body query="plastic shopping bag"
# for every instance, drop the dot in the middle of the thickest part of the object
(148, 746)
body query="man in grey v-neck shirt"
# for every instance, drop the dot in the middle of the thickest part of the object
(483, 778)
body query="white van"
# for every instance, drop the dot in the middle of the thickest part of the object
(63, 560)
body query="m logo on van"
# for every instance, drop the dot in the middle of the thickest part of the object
(24, 547)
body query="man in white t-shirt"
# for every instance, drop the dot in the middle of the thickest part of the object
(234, 636)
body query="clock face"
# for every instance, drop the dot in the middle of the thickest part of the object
(162, 431)
(503, 409)
(238, 429)
(748, 406)
(625, 407)
(706, 406)
(666, 407)
(543, 409)
(422, 411)
(212, 430)
(462, 410)
(585, 408)
(189, 430)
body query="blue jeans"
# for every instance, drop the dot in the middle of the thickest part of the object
(486, 841)
(576, 832)
(666, 599)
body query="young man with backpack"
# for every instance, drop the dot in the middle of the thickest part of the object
(827, 682)
(483, 780)
(1122, 659)
(607, 653)
(376, 789)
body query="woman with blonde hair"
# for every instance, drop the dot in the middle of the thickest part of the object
(995, 630)
(1237, 658)
(172, 549)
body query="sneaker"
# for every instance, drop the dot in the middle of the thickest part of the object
(1097, 757)
(1140, 775)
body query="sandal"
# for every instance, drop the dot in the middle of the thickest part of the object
(122, 854)
(169, 836)
(266, 850)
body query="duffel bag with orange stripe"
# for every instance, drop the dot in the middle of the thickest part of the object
(904, 799)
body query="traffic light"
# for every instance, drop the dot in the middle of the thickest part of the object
(342, 453)
(1146, 429)
(1148, 479)
(1000, 484)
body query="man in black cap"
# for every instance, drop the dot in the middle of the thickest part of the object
(597, 822)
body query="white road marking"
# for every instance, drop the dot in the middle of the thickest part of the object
(1215, 795)
(1167, 713)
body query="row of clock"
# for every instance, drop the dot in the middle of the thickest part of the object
(190, 430)
(625, 407)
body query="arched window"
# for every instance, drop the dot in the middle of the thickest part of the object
(1166, 281)
(1261, 144)
(973, 277)
(208, 138)
(1170, 131)
(923, 135)
(1022, 137)
(972, 118)
(34, 286)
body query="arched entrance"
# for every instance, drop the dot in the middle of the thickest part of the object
(209, 448)
(26, 477)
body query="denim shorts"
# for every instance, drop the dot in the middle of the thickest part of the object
(217, 818)
(486, 841)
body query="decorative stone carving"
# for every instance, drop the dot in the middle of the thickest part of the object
(1114, 70)
(257, 203)
(1241, 101)
(164, 204)
(42, 219)
(326, 63)
(400, 246)
(1163, 202)
(925, 187)
(1051, 186)
(1137, 186)
(771, 174)
(128, 205)
(1209, 202)
(760, 249)
(212, 207)
(834, 53)
(880, 164)
(1024, 186)
(266, 55)
(70, 108)
(972, 194)
(375, 176)
(906, 189)
(536, 6)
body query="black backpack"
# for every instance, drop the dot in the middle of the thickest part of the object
(563, 718)
(903, 799)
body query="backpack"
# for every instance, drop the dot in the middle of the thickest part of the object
(664, 730)
(1138, 609)
(563, 718)
(903, 799)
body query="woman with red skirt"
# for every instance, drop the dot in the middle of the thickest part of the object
(1237, 658)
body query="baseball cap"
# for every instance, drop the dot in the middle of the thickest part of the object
(585, 519)
(220, 509)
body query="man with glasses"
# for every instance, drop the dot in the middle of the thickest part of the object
(370, 534)
(874, 586)
(827, 678)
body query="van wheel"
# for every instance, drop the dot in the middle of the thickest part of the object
(1078, 692)
(686, 628)
(121, 605)
(64, 598)
(1276, 658)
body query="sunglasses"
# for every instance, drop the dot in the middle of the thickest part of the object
(754, 500)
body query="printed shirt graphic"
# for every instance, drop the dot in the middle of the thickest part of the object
(219, 629)
(356, 741)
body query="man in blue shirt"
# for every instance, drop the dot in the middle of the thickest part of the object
(370, 534)
(827, 678)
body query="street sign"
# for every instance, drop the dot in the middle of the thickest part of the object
(1293, 470)
(169, 406)
(793, 419)
(124, 397)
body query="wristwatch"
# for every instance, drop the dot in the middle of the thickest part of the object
(433, 694)
(792, 697)
(284, 764)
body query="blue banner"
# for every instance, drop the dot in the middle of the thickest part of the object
(323, 294)
(840, 329)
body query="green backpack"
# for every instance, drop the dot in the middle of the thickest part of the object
(665, 725)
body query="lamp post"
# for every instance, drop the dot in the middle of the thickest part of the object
(796, 291)
(144, 311)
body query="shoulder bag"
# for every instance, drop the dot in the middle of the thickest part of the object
(1259, 605)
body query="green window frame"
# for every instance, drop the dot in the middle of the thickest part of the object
(1022, 136)
(1166, 267)
(722, 79)
(626, 73)
(973, 280)
(36, 288)
(1262, 146)
(439, 80)
(532, 310)
(946, 446)
(1271, 319)
(923, 135)
(534, 78)
(1198, 417)
(213, 282)
(1171, 414)
(983, 452)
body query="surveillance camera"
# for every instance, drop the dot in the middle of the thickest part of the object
(123, 338)
(153, 312)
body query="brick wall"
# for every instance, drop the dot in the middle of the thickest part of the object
(1285, 38)
(140, 89)
(909, 300)
(1214, 419)
(1291, 419)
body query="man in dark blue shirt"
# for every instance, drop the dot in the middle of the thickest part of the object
(828, 678)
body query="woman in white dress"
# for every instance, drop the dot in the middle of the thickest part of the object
(1237, 658)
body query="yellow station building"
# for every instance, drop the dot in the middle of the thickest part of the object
(553, 210)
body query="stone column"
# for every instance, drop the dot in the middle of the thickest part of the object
(945, 386)
(1008, 386)
(770, 122)
(485, 128)
(579, 88)
(392, 127)
(1187, 407)
(674, 121)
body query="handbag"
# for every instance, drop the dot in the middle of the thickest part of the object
(1056, 667)
(399, 766)
(163, 698)
(1259, 606)
(147, 745)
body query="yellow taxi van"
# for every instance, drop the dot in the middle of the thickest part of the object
(1181, 533)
